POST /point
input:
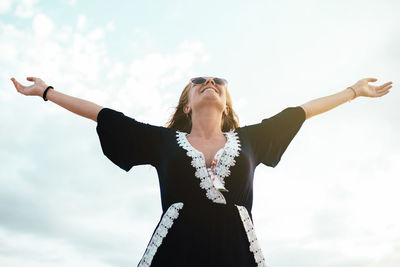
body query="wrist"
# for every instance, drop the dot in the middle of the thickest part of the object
(40, 91)
(46, 92)
(353, 91)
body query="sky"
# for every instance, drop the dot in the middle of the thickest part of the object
(331, 201)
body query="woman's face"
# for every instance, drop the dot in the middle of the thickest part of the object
(207, 94)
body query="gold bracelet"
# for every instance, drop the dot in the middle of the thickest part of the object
(355, 93)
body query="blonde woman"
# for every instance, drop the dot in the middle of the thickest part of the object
(205, 164)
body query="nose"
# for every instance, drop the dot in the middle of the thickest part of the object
(209, 80)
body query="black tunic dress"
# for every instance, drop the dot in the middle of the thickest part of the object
(200, 224)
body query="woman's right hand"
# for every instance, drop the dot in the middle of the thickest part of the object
(35, 89)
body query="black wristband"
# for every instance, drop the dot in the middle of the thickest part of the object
(45, 92)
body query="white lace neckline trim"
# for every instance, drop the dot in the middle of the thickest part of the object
(227, 160)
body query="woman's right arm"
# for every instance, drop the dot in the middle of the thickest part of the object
(76, 105)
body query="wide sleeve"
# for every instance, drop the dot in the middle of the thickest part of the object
(127, 142)
(270, 138)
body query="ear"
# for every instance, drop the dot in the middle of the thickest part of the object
(186, 109)
(226, 110)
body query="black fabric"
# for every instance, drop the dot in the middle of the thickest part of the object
(205, 233)
(270, 138)
(127, 142)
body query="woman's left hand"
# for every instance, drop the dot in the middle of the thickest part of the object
(364, 89)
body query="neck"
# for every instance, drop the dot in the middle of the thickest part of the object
(206, 123)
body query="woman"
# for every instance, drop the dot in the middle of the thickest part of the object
(205, 163)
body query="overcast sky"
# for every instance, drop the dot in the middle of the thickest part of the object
(331, 201)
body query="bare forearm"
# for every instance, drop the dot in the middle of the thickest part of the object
(323, 104)
(76, 105)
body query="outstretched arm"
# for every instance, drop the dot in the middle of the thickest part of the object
(360, 88)
(76, 105)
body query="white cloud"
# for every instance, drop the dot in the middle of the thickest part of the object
(42, 25)
(81, 22)
(390, 259)
(96, 34)
(11, 54)
(5, 6)
(17, 250)
(26, 8)
(110, 26)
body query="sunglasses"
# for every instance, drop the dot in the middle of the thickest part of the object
(201, 80)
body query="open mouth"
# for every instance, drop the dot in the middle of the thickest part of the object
(212, 88)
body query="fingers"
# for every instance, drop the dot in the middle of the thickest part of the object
(386, 83)
(17, 85)
(384, 87)
(32, 79)
(382, 93)
(20, 88)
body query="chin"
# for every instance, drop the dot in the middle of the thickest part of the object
(211, 102)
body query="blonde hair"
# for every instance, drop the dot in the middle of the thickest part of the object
(183, 122)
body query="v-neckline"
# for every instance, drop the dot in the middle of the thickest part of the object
(227, 160)
(202, 154)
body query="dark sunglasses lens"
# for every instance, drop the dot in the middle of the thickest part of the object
(219, 81)
(198, 80)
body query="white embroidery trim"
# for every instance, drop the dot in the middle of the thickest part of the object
(161, 232)
(227, 160)
(251, 236)
(231, 150)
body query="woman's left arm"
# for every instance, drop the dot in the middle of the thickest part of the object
(361, 88)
